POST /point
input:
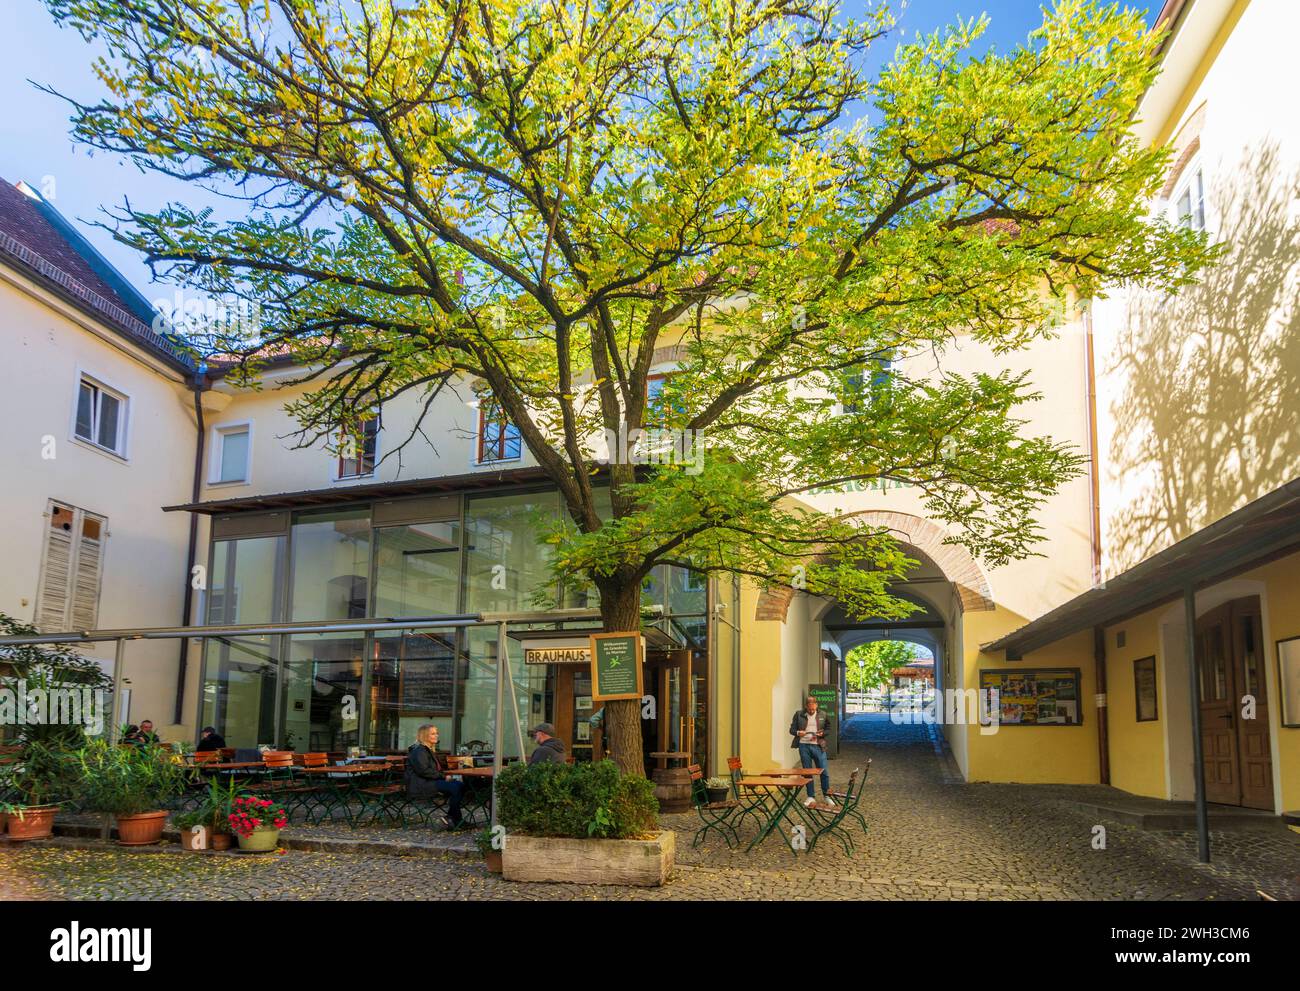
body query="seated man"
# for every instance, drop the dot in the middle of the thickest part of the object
(212, 740)
(424, 778)
(549, 747)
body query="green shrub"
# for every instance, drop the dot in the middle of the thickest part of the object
(128, 780)
(577, 801)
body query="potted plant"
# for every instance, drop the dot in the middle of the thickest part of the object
(207, 827)
(718, 788)
(256, 823)
(31, 787)
(582, 823)
(63, 694)
(132, 783)
(491, 849)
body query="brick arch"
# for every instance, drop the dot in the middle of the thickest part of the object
(953, 560)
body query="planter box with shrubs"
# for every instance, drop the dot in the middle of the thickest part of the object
(581, 824)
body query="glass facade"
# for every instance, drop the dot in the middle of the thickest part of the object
(330, 692)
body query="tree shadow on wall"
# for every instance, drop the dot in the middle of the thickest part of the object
(1208, 419)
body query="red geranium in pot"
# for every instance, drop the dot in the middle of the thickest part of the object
(257, 822)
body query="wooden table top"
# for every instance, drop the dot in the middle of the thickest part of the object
(469, 772)
(785, 772)
(764, 782)
(229, 765)
(343, 768)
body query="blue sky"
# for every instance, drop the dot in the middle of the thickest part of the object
(34, 142)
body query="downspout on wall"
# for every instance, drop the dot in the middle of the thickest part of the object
(199, 384)
(1094, 533)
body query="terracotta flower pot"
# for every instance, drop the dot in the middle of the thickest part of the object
(142, 829)
(197, 841)
(221, 841)
(34, 823)
(492, 860)
(263, 840)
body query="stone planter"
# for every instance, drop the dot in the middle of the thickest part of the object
(646, 863)
(36, 822)
(264, 839)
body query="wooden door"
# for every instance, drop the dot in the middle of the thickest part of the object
(1254, 745)
(1218, 718)
(1238, 752)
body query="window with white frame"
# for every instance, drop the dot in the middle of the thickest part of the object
(231, 453)
(67, 596)
(101, 416)
(358, 446)
(1187, 205)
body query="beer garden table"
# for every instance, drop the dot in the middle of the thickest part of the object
(480, 797)
(780, 794)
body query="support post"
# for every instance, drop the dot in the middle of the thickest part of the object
(1198, 749)
(498, 729)
(119, 656)
(1103, 702)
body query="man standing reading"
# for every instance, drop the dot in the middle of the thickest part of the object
(808, 729)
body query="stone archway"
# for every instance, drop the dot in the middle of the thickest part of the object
(953, 560)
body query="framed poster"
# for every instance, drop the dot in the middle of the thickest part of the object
(1035, 697)
(1144, 690)
(616, 662)
(1288, 680)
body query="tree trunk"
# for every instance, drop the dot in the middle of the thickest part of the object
(620, 612)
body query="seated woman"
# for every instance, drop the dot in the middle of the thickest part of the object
(424, 778)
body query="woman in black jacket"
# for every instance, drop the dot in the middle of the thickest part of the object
(424, 778)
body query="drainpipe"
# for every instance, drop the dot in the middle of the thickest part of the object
(1103, 718)
(182, 673)
(1094, 479)
(735, 666)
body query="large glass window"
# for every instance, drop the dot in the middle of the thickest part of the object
(322, 692)
(331, 564)
(478, 688)
(412, 682)
(240, 673)
(417, 569)
(506, 560)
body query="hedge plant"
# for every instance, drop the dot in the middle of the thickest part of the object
(577, 801)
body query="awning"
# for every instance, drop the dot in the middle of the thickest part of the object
(1266, 528)
(359, 493)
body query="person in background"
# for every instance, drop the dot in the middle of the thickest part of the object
(147, 735)
(211, 739)
(424, 778)
(549, 747)
(808, 729)
(131, 735)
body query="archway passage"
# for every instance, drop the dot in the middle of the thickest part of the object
(924, 540)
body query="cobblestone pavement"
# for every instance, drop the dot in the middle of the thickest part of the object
(929, 838)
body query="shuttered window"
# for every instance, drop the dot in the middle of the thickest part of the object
(71, 570)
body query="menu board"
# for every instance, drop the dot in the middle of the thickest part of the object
(1035, 697)
(616, 666)
(428, 684)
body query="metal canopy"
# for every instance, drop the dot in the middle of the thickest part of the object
(310, 498)
(1265, 528)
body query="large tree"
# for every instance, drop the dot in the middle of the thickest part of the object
(542, 197)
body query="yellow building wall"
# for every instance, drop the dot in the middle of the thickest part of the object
(1032, 754)
(1137, 750)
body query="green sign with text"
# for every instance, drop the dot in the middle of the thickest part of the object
(616, 666)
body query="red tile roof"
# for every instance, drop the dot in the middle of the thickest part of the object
(29, 241)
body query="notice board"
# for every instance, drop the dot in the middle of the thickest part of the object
(1035, 696)
(616, 662)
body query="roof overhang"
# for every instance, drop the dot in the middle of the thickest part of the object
(338, 495)
(1254, 534)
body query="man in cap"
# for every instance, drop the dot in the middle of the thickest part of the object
(549, 747)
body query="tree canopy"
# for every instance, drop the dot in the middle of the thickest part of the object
(552, 199)
(871, 665)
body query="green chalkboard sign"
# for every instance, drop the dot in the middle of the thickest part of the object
(616, 660)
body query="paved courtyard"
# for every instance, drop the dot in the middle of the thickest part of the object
(931, 837)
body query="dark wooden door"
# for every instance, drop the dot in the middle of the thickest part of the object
(1218, 716)
(1238, 753)
(1254, 744)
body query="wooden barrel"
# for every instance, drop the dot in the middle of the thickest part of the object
(673, 789)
